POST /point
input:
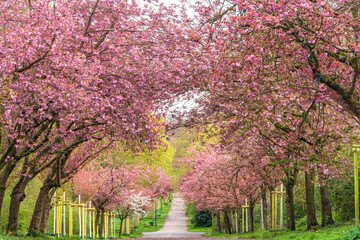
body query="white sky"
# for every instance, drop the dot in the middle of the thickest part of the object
(169, 2)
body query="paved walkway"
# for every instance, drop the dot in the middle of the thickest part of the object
(175, 225)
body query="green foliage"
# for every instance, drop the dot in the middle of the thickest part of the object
(353, 234)
(162, 157)
(202, 219)
(342, 199)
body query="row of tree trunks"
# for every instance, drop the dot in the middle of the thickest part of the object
(43, 205)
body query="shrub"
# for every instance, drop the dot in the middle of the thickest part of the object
(202, 219)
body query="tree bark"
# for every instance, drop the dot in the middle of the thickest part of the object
(238, 220)
(17, 196)
(310, 200)
(251, 215)
(40, 204)
(97, 219)
(46, 211)
(264, 206)
(326, 212)
(218, 222)
(121, 226)
(227, 222)
(289, 184)
(4, 176)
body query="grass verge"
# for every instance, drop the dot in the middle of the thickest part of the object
(335, 232)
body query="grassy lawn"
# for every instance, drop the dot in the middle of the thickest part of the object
(336, 232)
(192, 228)
(144, 226)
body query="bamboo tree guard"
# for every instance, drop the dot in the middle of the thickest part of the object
(59, 215)
(81, 219)
(112, 224)
(356, 150)
(274, 216)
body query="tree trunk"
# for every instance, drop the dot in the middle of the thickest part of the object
(39, 205)
(264, 206)
(227, 222)
(97, 219)
(218, 222)
(251, 215)
(310, 200)
(289, 188)
(121, 226)
(4, 176)
(17, 196)
(271, 189)
(233, 220)
(238, 220)
(326, 212)
(46, 211)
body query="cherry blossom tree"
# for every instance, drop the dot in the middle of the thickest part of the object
(137, 205)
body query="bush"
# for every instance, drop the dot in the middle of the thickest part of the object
(202, 219)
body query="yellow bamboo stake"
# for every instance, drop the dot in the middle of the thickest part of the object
(356, 149)
(83, 221)
(272, 211)
(93, 233)
(275, 214)
(58, 229)
(106, 225)
(70, 220)
(243, 220)
(128, 226)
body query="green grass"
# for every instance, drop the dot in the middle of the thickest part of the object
(336, 232)
(191, 228)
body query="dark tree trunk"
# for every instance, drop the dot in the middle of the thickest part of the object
(227, 222)
(251, 215)
(4, 176)
(233, 220)
(39, 205)
(97, 220)
(238, 220)
(310, 200)
(46, 211)
(289, 184)
(326, 212)
(17, 196)
(218, 222)
(121, 226)
(264, 205)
